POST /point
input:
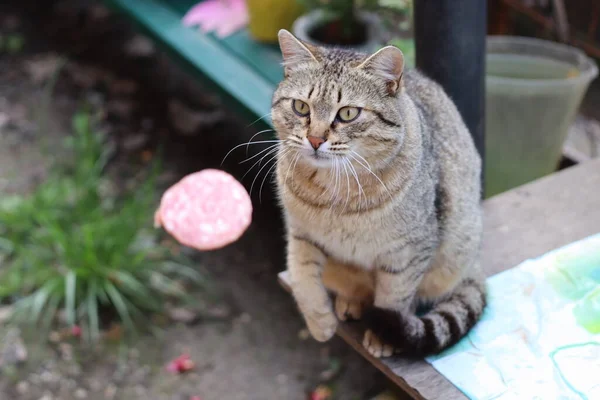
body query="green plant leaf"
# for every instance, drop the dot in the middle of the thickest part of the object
(93, 296)
(70, 292)
(128, 283)
(39, 299)
(119, 302)
(70, 244)
(6, 246)
(50, 313)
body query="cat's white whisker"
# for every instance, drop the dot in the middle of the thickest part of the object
(258, 119)
(294, 167)
(255, 135)
(338, 179)
(270, 152)
(296, 139)
(248, 144)
(360, 188)
(259, 153)
(344, 162)
(362, 158)
(280, 155)
(290, 166)
(274, 157)
(372, 173)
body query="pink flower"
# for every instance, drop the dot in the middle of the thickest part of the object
(76, 331)
(183, 363)
(195, 398)
(221, 16)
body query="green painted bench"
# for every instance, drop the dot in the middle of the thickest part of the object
(243, 72)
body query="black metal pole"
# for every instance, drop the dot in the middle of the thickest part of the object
(450, 48)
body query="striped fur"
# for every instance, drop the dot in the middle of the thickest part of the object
(444, 325)
(386, 212)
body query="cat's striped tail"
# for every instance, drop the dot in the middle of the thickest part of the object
(444, 325)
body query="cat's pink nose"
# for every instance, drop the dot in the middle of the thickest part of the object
(315, 142)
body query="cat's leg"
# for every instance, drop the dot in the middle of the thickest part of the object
(353, 288)
(305, 265)
(348, 308)
(396, 286)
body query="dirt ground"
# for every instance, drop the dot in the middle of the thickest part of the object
(257, 348)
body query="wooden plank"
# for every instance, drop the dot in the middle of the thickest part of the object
(533, 219)
(520, 224)
(229, 75)
(265, 59)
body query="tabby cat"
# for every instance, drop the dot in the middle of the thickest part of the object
(379, 181)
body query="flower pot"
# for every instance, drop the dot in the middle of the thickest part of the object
(533, 91)
(316, 27)
(267, 17)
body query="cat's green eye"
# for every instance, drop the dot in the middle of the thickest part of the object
(348, 114)
(300, 108)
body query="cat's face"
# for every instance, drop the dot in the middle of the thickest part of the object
(335, 107)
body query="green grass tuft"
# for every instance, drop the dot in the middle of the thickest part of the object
(71, 247)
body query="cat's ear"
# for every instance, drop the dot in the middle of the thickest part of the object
(388, 64)
(294, 51)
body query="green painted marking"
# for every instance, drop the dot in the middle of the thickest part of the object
(558, 370)
(232, 66)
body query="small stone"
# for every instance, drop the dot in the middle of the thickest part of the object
(54, 337)
(304, 334)
(180, 314)
(245, 318)
(81, 393)
(139, 390)
(13, 350)
(188, 121)
(134, 142)
(35, 379)
(42, 68)
(134, 354)
(95, 385)
(98, 11)
(22, 387)
(120, 108)
(95, 99)
(123, 86)
(46, 377)
(70, 384)
(147, 124)
(86, 76)
(110, 392)
(74, 370)
(219, 311)
(66, 351)
(47, 396)
(4, 120)
(139, 46)
(139, 375)
(330, 373)
(11, 22)
(5, 311)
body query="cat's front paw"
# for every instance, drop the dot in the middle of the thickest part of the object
(348, 309)
(321, 324)
(375, 346)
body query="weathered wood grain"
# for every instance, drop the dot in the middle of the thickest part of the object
(520, 224)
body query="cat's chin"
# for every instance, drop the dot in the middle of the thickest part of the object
(319, 160)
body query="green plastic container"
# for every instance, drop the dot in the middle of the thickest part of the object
(533, 91)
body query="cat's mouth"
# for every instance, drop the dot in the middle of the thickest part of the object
(319, 159)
